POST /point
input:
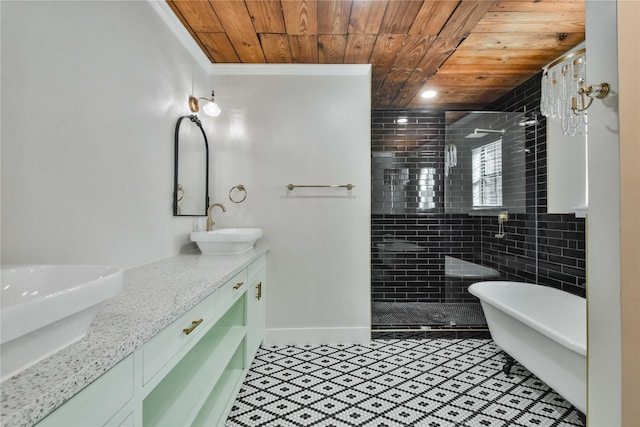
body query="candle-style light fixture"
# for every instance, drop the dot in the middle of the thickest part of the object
(565, 93)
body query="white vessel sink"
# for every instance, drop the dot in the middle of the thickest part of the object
(226, 240)
(47, 307)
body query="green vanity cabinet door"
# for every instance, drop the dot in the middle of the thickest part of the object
(256, 306)
(98, 402)
(159, 351)
(198, 389)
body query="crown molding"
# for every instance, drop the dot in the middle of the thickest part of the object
(171, 20)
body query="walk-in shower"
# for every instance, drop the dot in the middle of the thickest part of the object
(439, 183)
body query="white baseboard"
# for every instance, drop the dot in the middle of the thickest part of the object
(317, 336)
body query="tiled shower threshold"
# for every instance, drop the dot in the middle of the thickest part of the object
(418, 320)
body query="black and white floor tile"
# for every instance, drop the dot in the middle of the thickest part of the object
(395, 383)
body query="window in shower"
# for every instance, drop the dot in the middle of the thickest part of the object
(486, 181)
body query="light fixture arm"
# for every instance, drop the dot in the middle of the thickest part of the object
(592, 91)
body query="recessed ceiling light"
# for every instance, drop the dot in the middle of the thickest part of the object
(402, 120)
(429, 94)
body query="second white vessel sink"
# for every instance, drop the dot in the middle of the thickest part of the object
(47, 307)
(226, 240)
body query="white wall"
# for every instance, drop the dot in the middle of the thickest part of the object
(90, 97)
(603, 221)
(301, 125)
(91, 92)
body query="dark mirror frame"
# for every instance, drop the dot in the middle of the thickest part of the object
(195, 120)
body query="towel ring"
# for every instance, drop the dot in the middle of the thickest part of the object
(239, 188)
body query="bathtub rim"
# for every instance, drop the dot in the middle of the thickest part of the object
(576, 345)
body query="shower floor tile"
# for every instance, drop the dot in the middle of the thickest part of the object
(384, 383)
(390, 314)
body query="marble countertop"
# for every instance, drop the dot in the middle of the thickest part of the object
(152, 296)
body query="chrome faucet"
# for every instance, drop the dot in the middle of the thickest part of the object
(210, 222)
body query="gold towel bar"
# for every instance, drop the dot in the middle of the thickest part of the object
(347, 186)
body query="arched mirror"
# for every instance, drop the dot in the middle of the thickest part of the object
(191, 176)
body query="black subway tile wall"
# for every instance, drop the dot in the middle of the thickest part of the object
(560, 238)
(412, 234)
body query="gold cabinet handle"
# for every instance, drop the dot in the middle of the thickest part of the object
(194, 325)
(259, 293)
(238, 285)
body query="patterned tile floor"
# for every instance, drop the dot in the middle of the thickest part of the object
(394, 383)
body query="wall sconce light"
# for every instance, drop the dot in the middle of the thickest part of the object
(210, 108)
(592, 91)
(565, 92)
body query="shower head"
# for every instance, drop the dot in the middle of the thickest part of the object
(528, 122)
(476, 134)
(479, 133)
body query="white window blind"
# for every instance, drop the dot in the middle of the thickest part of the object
(487, 175)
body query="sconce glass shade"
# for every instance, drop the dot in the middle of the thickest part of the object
(210, 108)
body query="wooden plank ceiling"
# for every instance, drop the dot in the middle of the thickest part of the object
(470, 51)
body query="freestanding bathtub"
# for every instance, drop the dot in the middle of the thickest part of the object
(544, 329)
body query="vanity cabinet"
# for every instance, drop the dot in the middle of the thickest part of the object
(187, 374)
(256, 306)
(113, 389)
(201, 384)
